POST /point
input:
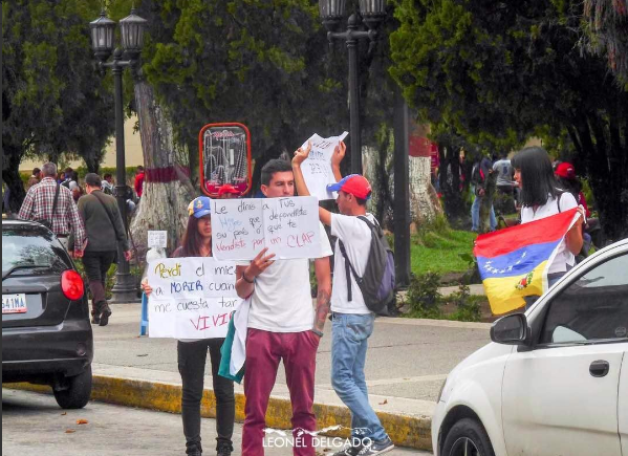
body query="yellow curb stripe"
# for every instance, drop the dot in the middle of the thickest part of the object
(405, 431)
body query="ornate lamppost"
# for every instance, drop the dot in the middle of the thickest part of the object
(132, 39)
(372, 13)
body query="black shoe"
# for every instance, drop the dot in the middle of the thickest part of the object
(353, 450)
(193, 449)
(95, 319)
(224, 449)
(104, 316)
(377, 447)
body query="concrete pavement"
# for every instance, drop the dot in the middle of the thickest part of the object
(408, 360)
(110, 431)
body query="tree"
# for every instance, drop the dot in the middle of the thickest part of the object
(500, 70)
(607, 27)
(53, 99)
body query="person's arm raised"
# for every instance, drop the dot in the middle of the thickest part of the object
(336, 159)
(299, 157)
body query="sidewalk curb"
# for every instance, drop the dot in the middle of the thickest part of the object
(404, 430)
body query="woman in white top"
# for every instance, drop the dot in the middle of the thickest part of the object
(542, 197)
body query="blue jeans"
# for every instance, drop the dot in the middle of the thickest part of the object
(350, 335)
(475, 215)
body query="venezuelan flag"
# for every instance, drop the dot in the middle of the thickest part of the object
(513, 262)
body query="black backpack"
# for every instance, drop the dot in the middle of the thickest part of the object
(378, 282)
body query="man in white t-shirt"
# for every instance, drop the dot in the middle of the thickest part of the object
(282, 325)
(352, 321)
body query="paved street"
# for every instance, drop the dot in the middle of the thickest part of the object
(33, 424)
(407, 359)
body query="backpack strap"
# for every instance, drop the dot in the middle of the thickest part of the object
(560, 195)
(347, 269)
(119, 237)
(56, 202)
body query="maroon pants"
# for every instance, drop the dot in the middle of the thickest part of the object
(264, 350)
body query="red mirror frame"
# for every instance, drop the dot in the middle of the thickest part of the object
(243, 183)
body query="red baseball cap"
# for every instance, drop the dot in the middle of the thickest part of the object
(565, 170)
(227, 188)
(355, 184)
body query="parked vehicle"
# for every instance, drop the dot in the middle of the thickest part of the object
(555, 379)
(46, 334)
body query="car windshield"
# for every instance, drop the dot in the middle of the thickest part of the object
(30, 250)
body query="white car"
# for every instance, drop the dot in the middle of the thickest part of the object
(554, 381)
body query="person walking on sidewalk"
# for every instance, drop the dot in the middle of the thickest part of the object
(352, 321)
(105, 230)
(192, 355)
(282, 325)
(51, 204)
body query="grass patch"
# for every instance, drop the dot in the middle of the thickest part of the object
(439, 251)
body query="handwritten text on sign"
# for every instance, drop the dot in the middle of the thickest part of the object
(289, 227)
(192, 298)
(317, 170)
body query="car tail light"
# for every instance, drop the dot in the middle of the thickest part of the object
(72, 285)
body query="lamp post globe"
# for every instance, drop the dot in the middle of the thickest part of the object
(332, 12)
(102, 36)
(132, 34)
(373, 12)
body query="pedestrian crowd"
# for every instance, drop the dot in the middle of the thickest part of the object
(283, 324)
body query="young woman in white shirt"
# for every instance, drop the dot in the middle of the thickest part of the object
(542, 197)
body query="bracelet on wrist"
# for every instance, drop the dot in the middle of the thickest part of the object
(318, 333)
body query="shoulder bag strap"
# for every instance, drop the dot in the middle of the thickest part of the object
(115, 230)
(56, 202)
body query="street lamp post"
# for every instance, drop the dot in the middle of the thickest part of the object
(372, 13)
(132, 38)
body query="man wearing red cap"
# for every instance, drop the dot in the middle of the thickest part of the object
(352, 321)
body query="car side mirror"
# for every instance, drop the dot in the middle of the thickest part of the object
(510, 330)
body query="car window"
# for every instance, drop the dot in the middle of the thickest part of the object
(592, 309)
(25, 246)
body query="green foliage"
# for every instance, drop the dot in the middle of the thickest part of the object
(265, 64)
(467, 306)
(499, 73)
(54, 100)
(440, 250)
(423, 296)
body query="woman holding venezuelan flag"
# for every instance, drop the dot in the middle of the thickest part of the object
(542, 197)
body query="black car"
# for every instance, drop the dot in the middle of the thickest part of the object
(46, 333)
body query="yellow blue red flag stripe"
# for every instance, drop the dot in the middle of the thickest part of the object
(513, 262)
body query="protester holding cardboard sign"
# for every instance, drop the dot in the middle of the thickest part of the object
(192, 355)
(282, 325)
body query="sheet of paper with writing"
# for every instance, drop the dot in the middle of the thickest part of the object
(316, 168)
(192, 298)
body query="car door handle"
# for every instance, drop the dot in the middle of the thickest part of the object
(599, 368)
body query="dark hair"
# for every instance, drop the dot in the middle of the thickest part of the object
(93, 180)
(192, 240)
(36, 171)
(140, 168)
(276, 165)
(107, 175)
(68, 170)
(537, 176)
(573, 186)
(361, 201)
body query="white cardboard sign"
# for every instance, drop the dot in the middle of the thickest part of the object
(316, 167)
(192, 298)
(158, 239)
(289, 227)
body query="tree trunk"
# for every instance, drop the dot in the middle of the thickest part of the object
(167, 188)
(11, 178)
(603, 146)
(449, 180)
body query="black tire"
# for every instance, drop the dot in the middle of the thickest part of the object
(78, 393)
(467, 432)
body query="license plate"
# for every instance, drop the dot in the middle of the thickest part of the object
(14, 303)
